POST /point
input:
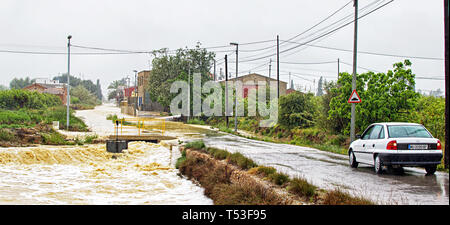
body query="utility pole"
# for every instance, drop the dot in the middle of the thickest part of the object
(338, 68)
(278, 67)
(189, 89)
(68, 81)
(136, 91)
(355, 42)
(235, 89)
(270, 66)
(447, 81)
(226, 89)
(214, 69)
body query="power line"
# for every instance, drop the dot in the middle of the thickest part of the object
(327, 33)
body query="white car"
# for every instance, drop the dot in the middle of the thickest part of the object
(395, 145)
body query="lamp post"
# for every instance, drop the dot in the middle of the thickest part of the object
(236, 102)
(68, 81)
(136, 92)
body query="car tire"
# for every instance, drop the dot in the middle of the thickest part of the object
(430, 169)
(352, 160)
(378, 165)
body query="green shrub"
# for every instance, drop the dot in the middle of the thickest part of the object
(5, 135)
(53, 138)
(278, 178)
(181, 159)
(89, 139)
(199, 145)
(18, 99)
(218, 153)
(301, 187)
(241, 161)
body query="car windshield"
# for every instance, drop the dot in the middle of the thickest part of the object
(403, 131)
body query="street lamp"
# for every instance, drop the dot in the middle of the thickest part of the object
(236, 102)
(68, 80)
(136, 91)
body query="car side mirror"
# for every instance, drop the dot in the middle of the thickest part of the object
(358, 136)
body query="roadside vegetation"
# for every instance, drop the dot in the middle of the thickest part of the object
(26, 118)
(322, 121)
(218, 185)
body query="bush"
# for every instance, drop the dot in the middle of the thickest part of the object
(296, 110)
(278, 178)
(263, 170)
(89, 139)
(5, 135)
(301, 187)
(53, 138)
(241, 161)
(181, 160)
(218, 153)
(18, 99)
(199, 145)
(338, 197)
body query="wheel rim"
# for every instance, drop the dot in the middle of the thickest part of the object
(377, 164)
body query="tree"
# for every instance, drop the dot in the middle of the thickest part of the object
(75, 81)
(20, 83)
(296, 110)
(385, 97)
(112, 88)
(320, 87)
(99, 90)
(169, 68)
(81, 94)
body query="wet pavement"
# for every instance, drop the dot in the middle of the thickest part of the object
(330, 171)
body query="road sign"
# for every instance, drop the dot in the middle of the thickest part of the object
(354, 97)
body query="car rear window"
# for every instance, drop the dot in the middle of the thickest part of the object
(400, 131)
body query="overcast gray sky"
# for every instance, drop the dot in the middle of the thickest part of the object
(404, 27)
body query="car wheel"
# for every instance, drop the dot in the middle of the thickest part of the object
(378, 165)
(430, 169)
(352, 160)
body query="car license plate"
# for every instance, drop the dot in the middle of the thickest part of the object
(416, 147)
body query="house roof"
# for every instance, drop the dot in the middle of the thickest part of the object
(254, 74)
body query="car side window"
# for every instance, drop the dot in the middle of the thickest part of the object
(375, 133)
(366, 134)
(381, 133)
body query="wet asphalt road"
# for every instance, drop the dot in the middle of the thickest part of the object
(329, 171)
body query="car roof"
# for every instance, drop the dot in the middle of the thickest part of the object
(396, 123)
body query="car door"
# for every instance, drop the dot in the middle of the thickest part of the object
(371, 144)
(360, 146)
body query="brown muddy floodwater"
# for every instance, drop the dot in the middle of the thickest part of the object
(144, 174)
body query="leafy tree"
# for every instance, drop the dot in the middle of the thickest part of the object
(19, 83)
(430, 112)
(83, 96)
(75, 81)
(296, 110)
(112, 88)
(169, 68)
(385, 97)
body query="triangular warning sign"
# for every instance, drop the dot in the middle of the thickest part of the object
(354, 97)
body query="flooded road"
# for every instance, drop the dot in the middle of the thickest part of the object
(144, 174)
(329, 171)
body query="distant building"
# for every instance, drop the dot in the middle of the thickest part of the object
(256, 78)
(144, 101)
(49, 87)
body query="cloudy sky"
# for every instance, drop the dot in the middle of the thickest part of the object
(403, 27)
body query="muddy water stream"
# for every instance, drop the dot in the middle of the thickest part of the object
(89, 175)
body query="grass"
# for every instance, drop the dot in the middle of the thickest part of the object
(278, 178)
(6, 135)
(301, 187)
(240, 160)
(53, 138)
(89, 139)
(338, 197)
(199, 145)
(218, 186)
(196, 121)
